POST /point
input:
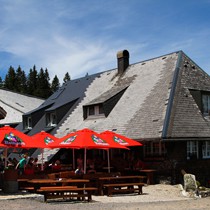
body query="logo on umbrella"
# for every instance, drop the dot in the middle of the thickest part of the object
(11, 139)
(119, 140)
(48, 140)
(98, 140)
(69, 140)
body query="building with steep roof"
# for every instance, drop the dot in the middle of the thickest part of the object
(163, 102)
(15, 105)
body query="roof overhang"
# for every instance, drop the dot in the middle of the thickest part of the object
(187, 139)
(3, 113)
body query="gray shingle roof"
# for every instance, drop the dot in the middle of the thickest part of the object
(140, 112)
(67, 93)
(188, 121)
(153, 106)
(16, 104)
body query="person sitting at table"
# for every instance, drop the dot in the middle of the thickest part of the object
(31, 162)
(47, 166)
(139, 164)
(28, 169)
(37, 167)
(90, 166)
(79, 170)
(35, 162)
(14, 161)
(56, 166)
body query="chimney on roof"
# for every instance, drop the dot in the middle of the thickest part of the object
(122, 61)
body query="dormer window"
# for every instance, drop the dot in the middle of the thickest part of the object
(51, 119)
(28, 123)
(206, 105)
(102, 105)
(95, 110)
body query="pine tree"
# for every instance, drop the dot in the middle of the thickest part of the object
(47, 84)
(55, 84)
(18, 79)
(24, 86)
(32, 81)
(10, 79)
(66, 78)
(33, 84)
(43, 86)
(21, 85)
(1, 83)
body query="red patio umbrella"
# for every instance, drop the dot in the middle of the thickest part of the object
(84, 139)
(43, 140)
(111, 136)
(13, 138)
(120, 139)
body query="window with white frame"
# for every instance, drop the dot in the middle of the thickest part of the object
(95, 110)
(28, 123)
(206, 149)
(192, 149)
(206, 104)
(51, 119)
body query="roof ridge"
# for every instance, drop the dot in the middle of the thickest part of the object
(171, 96)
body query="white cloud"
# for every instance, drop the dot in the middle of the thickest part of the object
(36, 36)
(77, 37)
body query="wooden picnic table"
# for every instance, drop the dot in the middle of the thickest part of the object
(150, 175)
(37, 183)
(66, 192)
(118, 180)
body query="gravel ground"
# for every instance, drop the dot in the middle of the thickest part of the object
(159, 197)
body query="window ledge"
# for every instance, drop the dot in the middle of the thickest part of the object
(28, 128)
(93, 117)
(51, 126)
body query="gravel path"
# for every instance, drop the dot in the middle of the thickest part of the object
(161, 197)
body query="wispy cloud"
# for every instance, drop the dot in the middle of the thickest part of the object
(84, 36)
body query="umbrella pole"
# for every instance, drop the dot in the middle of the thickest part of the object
(73, 159)
(85, 153)
(42, 166)
(5, 158)
(108, 157)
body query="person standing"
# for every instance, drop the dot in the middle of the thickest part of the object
(21, 165)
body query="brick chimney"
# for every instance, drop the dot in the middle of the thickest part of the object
(122, 61)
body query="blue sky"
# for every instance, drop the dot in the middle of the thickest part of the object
(84, 36)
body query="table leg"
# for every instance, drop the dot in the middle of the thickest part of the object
(150, 178)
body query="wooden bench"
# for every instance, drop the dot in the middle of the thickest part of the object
(120, 188)
(55, 188)
(66, 192)
(23, 185)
